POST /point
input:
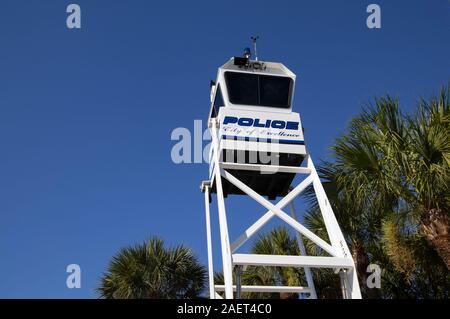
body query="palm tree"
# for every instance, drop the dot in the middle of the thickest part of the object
(360, 183)
(150, 270)
(410, 166)
(428, 171)
(390, 179)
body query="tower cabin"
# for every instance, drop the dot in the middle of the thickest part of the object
(257, 132)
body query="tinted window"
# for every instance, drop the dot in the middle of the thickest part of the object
(242, 88)
(218, 102)
(274, 91)
(260, 90)
(213, 112)
(218, 99)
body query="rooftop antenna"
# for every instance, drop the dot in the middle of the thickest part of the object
(254, 39)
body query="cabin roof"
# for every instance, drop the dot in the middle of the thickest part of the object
(272, 68)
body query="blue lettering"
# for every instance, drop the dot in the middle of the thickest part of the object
(278, 124)
(257, 124)
(245, 121)
(292, 125)
(230, 119)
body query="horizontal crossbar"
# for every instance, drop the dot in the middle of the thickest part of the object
(267, 288)
(291, 261)
(265, 168)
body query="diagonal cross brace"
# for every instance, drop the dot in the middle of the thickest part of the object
(282, 215)
(253, 229)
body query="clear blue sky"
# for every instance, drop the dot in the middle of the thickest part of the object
(86, 115)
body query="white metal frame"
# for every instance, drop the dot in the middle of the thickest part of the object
(340, 257)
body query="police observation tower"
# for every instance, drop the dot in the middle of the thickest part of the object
(257, 149)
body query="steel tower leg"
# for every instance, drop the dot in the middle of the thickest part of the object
(334, 233)
(206, 190)
(225, 241)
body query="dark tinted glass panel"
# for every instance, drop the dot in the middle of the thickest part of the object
(260, 90)
(213, 112)
(274, 91)
(242, 88)
(218, 100)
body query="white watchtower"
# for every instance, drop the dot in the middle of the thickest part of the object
(257, 149)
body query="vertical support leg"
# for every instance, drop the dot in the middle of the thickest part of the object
(301, 246)
(225, 241)
(353, 284)
(238, 281)
(212, 294)
(344, 284)
(334, 232)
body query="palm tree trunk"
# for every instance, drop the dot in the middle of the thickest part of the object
(361, 259)
(288, 295)
(435, 226)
